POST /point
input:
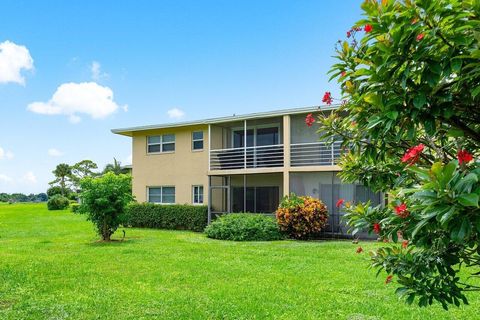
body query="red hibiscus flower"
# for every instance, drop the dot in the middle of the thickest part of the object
(464, 156)
(401, 210)
(413, 154)
(359, 250)
(349, 33)
(420, 36)
(388, 279)
(309, 120)
(368, 28)
(343, 74)
(376, 228)
(327, 98)
(404, 244)
(340, 202)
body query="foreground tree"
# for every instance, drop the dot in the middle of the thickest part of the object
(410, 122)
(104, 200)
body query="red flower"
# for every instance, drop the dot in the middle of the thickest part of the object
(309, 120)
(327, 98)
(388, 279)
(340, 202)
(412, 154)
(343, 74)
(368, 28)
(353, 123)
(401, 210)
(404, 244)
(349, 33)
(359, 250)
(376, 228)
(464, 156)
(420, 36)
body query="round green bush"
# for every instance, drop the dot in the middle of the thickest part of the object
(244, 227)
(74, 206)
(57, 202)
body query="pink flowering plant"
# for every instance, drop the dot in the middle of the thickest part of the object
(410, 75)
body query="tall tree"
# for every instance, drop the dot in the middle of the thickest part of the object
(82, 170)
(63, 176)
(115, 168)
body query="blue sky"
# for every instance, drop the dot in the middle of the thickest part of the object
(200, 58)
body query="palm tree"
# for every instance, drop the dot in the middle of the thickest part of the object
(115, 167)
(63, 174)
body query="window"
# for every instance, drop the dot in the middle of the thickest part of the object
(161, 194)
(161, 143)
(197, 194)
(256, 137)
(197, 140)
(258, 199)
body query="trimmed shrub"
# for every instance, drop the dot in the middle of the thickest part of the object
(57, 202)
(175, 216)
(74, 207)
(301, 217)
(244, 227)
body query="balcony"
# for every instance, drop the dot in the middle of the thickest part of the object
(247, 158)
(314, 154)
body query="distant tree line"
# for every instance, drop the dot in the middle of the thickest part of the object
(20, 197)
(68, 177)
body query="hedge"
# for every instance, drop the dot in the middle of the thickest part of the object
(175, 216)
(244, 227)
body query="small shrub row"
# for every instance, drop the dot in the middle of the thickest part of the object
(244, 227)
(182, 217)
(57, 202)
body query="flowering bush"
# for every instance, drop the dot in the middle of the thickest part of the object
(411, 80)
(301, 217)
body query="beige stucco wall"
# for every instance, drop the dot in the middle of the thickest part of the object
(182, 168)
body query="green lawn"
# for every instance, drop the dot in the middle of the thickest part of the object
(51, 267)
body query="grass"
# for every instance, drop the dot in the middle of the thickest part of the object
(52, 267)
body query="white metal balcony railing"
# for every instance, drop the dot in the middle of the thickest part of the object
(250, 157)
(314, 153)
(301, 154)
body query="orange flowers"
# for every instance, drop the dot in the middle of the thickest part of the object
(309, 120)
(401, 211)
(464, 156)
(413, 154)
(359, 250)
(404, 244)
(420, 36)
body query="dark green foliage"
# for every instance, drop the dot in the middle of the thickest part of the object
(104, 200)
(244, 227)
(54, 191)
(57, 202)
(74, 207)
(182, 217)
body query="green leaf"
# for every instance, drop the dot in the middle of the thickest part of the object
(456, 64)
(419, 100)
(392, 115)
(468, 199)
(419, 226)
(455, 133)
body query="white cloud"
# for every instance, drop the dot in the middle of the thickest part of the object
(95, 69)
(5, 178)
(175, 113)
(14, 59)
(6, 154)
(72, 99)
(29, 178)
(52, 152)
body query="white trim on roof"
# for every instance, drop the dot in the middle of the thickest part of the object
(128, 131)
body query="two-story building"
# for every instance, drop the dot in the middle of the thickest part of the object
(240, 163)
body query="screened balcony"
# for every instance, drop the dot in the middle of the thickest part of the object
(247, 145)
